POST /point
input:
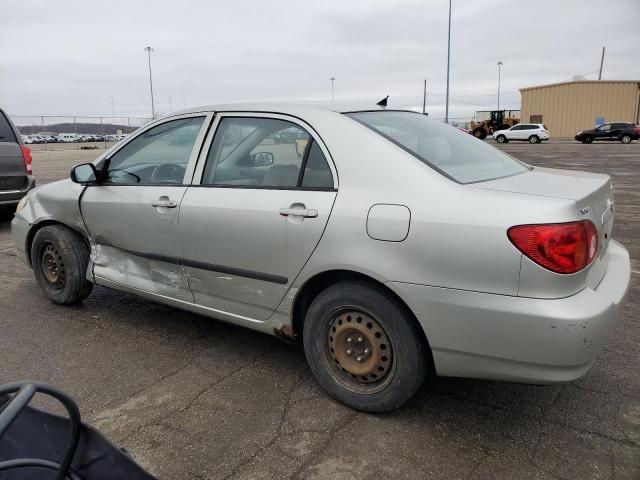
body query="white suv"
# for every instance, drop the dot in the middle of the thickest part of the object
(530, 132)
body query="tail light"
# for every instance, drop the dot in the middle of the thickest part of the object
(26, 155)
(559, 247)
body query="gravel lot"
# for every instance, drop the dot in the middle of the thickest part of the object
(194, 398)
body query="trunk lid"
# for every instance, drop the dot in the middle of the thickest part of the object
(592, 193)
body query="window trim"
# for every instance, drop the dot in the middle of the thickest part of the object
(196, 180)
(193, 156)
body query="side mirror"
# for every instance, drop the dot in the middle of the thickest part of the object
(262, 159)
(84, 173)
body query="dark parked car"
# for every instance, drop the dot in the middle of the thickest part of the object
(15, 165)
(624, 132)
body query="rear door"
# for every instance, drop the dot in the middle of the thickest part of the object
(12, 169)
(261, 197)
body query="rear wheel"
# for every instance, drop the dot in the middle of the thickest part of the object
(534, 139)
(363, 347)
(501, 139)
(625, 139)
(60, 257)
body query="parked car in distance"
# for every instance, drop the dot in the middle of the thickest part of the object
(67, 138)
(347, 247)
(527, 132)
(624, 132)
(16, 178)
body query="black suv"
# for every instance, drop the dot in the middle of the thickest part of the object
(15, 165)
(624, 132)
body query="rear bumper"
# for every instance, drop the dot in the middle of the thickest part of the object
(12, 197)
(520, 339)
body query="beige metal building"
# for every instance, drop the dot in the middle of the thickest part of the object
(565, 108)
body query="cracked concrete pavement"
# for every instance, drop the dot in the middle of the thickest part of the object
(194, 398)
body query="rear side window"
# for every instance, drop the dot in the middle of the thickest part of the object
(317, 173)
(6, 132)
(456, 154)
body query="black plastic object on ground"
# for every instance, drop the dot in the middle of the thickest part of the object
(36, 445)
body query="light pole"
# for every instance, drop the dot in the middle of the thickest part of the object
(332, 90)
(153, 110)
(446, 111)
(499, 71)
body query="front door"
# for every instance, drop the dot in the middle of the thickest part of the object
(132, 215)
(257, 210)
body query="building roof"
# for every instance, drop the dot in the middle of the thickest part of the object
(577, 82)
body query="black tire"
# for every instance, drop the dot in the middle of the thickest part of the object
(534, 139)
(59, 257)
(502, 139)
(587, 139)
(479, 133)
(347, 307)
(625, 138)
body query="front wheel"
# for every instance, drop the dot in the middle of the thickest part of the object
(501, 139)
(625, 139)
(534, 139)
(59, 257)
(587, 140)
(364, 348)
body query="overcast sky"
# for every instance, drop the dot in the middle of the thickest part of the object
(73, 57)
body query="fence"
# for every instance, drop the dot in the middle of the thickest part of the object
(51, 126)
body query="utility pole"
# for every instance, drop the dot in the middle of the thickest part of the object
(424, 98)
(153, 109)
(446, 111)
(333, 98)
(113, 111)
(499, 71)
(601, 63)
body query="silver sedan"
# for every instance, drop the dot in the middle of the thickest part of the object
(390, 245)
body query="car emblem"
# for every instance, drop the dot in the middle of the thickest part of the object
(585, 210)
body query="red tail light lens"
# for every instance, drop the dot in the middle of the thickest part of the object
(26, 155)
(559, 247)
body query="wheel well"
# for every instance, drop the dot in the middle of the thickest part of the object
(42, 224)
(315, 285)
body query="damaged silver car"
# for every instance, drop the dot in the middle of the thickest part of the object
(390, 245)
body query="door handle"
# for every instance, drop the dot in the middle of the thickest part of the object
(164, 204)
(299, 212)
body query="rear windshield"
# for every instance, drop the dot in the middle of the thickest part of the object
(6, 132)
(450, 151)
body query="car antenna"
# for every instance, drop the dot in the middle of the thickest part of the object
(383, 102)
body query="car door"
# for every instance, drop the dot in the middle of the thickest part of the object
(603, 132)
(261, 197)
(516, 132)
(132, 213)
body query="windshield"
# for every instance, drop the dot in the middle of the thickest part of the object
(450, 151)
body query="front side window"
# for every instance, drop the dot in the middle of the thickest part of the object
(605, 128)
(159, 156)
(264, 152)
(516, 128)
(453, 153)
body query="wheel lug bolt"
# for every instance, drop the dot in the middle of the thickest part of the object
(349, 339)
(349, 352)
(359, 339)
(366, 350)
(359, 359)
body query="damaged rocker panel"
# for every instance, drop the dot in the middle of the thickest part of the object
(240, 272)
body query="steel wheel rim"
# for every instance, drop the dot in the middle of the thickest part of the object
(360, 350)
(53, 268)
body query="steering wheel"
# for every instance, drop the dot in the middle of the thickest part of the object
(168, 173)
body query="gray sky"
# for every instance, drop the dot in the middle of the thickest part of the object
(71, 57)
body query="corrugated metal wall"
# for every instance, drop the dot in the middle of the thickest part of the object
(569, 107)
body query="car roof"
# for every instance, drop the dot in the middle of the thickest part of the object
(288, 108)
